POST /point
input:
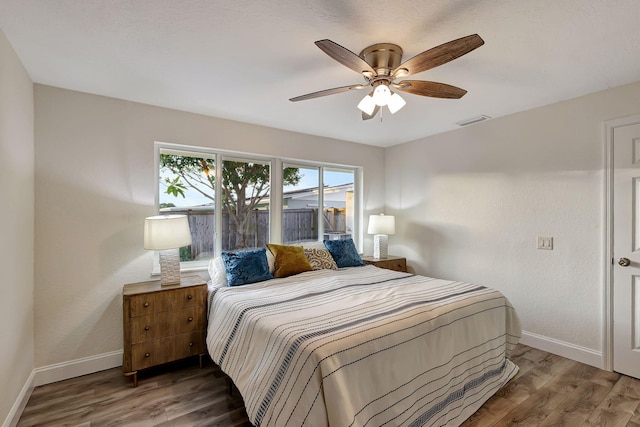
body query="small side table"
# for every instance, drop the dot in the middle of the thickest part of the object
(391, 262)
(163, 323)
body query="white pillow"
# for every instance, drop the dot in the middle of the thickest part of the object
(271, 260)
(218, 272)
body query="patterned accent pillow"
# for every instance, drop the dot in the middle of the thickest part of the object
(245, 267)
(289, 260)
(320, 259)
(344, 253)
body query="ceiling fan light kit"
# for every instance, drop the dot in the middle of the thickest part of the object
(381, 96)
(380, 64)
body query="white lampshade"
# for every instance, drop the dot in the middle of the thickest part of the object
(381, 95)
(166, 232)
(396, 103)
(367, 105)
(382, 224)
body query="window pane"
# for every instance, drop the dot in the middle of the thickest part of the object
(338, 212)
(245, 204)
(300, 201)
(186, 186)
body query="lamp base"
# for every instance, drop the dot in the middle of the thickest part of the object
(170, 267)
(380, 246)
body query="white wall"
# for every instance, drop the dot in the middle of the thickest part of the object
(471, 202)
(16, 227)
(95, 184)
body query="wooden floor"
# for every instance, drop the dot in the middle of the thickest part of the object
(548, 391)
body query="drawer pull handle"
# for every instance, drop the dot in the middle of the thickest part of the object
(189, 296)
(147, 354)
(190, 319)
(146, 304)
(190, 344)
(146, 328)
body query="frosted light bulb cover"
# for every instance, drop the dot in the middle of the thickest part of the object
(381, 95)
(396, 102)
(367, 105)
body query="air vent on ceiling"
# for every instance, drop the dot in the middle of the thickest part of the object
(473, 120)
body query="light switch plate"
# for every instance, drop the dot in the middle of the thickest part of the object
(545, 243)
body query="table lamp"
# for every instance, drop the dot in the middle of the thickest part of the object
(167, 233)
(381, 226)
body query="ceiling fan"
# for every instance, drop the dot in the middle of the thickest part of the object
(380, 65)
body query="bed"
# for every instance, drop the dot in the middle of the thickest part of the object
(362, 346)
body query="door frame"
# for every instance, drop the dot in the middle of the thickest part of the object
(607, 324)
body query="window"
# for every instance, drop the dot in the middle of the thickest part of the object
(245, 204)
(339, 203)
(187, 187)
(300, 203)
(199, 183)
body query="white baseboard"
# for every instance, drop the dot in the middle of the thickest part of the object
(561, 348)
(75, 368)
(16, 410)
(58, 372)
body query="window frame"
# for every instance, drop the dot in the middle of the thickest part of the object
(276, 184)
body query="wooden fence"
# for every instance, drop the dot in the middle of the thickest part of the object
(298, 225)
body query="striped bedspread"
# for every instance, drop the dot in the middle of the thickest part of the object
(362, 346)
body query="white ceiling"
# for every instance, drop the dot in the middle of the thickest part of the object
(243, 59)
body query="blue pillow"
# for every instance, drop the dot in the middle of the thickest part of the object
(344, 253)
(245, 267)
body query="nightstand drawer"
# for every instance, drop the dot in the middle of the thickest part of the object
(158, 325)
(163, 350)
(157, 302)
(397, 265)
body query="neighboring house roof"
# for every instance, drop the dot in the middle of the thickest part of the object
(333, 193)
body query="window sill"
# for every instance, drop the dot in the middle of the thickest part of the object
(155, 273)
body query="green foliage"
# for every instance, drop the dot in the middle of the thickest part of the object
(175, 187)
(244, 185)
(185, 254)
(190, 172)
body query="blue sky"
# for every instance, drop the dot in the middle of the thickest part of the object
(308, 180)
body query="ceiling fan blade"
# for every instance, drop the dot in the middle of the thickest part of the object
(345, 57)
(438, 55)
(432, 89)
(366, 116)
(327, 92)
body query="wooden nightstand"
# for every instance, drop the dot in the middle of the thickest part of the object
(390, 262)
(163, 324)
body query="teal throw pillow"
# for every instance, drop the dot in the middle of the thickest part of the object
(245, 267)
(344, 253)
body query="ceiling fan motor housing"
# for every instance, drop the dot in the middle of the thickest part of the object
(383, 57)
